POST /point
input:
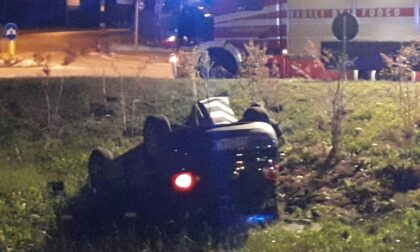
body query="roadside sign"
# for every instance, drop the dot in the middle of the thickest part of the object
(102, 6)
(140, 5)
(11, 31)
(345, 26)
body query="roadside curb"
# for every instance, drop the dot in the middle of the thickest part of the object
(141, 49)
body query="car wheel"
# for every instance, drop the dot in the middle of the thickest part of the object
(99, 159)
(155, 127)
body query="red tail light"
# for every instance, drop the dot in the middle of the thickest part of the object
(272, 173)
(184, 181)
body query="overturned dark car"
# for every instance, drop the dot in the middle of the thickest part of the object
(215, 169)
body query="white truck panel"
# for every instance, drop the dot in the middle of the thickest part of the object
(379, 20)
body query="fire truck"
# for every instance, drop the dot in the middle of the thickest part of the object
(294, 31)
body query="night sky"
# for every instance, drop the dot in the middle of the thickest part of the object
(52, 13)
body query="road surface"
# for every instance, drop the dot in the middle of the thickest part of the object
(90, 53)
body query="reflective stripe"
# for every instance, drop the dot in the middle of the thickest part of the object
(252, 22)
(222, 115)
(219, 110)
(246, 14)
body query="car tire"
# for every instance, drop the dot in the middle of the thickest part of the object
(99, 159)
(155, 128)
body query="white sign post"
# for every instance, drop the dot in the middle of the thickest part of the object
(138, 6)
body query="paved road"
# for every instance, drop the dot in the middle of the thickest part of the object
(94, 53)
(41, 42)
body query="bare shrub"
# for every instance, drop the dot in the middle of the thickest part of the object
(60, 94)
(52, 111)
(254, 69)
(195, 65)
(104, 84)
(337, 97)
(400, 68)
(128, 110)
(339, 103)
(409, 111)
(337, 113)
(123, 104)
(254, 65)
(131, 118)
(44, 63)
(275, 69)
(123, 97)
(312, 50)
(188, 62)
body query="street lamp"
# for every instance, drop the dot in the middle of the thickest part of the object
(102, 10)
(136, 23)
(284, 53)
(71, 4)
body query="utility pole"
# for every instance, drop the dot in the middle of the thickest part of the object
(345, 41)
(102, 11)
(5, 11)
(136, 23)
(67, 15)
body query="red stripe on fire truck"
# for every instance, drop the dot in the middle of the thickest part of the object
(361, 12)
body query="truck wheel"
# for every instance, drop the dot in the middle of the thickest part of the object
(155, 127)
(223, 64)
(99, 159)
(219, 72)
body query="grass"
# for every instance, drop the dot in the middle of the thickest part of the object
(31, 154)
(397, 233)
